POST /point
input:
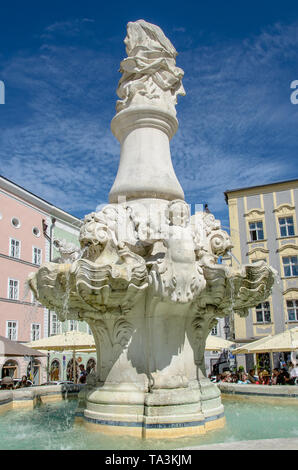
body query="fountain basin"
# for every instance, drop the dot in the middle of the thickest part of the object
(53, 425)
(32, 396)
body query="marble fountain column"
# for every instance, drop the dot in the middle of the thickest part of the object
(147, 280)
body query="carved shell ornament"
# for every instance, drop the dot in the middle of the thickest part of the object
(220, 243)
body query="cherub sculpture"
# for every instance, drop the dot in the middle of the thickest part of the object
(178, 275)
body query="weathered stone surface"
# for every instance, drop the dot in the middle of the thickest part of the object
(147, 279)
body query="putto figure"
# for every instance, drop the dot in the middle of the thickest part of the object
(178, 277)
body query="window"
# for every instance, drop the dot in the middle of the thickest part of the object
(256, 231)
(15, 222)
(55, 325)
(286, 225)
(73, 325)
(12, 330)
(36, 256)
(36, 231)
(292, 308)
(35, 331)
(14, 248)
(214, 331)
(13, 289)
(290, 266)
(89, 331)
(263, 313)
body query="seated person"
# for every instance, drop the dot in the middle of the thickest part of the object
(264, 377)
(251, 376)
(243, 379)
(7, 383)
(23, 383)
(83, 374)
(287, 380)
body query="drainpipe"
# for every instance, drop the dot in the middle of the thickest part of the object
(50, 240)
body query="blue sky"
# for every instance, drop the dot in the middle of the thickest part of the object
(60, 62)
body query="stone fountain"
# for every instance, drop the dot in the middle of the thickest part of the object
(148, 281)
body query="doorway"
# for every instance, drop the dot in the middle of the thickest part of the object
(10, 368)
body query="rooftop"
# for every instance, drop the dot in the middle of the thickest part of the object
(256, 189)
(32, 198)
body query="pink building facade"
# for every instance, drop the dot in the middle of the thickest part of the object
(26, 223)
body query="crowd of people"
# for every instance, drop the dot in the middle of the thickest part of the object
(7, 383)
(81, 371)
(285, 375)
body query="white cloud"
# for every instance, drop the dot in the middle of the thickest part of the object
(237, 127)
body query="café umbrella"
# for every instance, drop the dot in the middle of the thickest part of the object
(78, 341)
(216, 343)
(286, 341)
(9, 348)
(69, 341)
(213, 343)
(282, 342)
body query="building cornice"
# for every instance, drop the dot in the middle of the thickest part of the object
(18, 260)
(284, 247)
(254, 250)
(21, 302)
(287, 237)
(261, 242)
(255, 190)
(290, 289)
(39, 203)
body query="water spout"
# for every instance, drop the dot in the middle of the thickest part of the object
(233, 256)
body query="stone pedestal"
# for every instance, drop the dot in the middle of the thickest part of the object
(148, 382)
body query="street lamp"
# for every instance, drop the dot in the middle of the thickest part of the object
(227, 331)
(226, 328)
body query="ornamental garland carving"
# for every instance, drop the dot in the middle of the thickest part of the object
(284, 209)
(127, 255)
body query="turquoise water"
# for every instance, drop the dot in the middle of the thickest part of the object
(51, 426)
